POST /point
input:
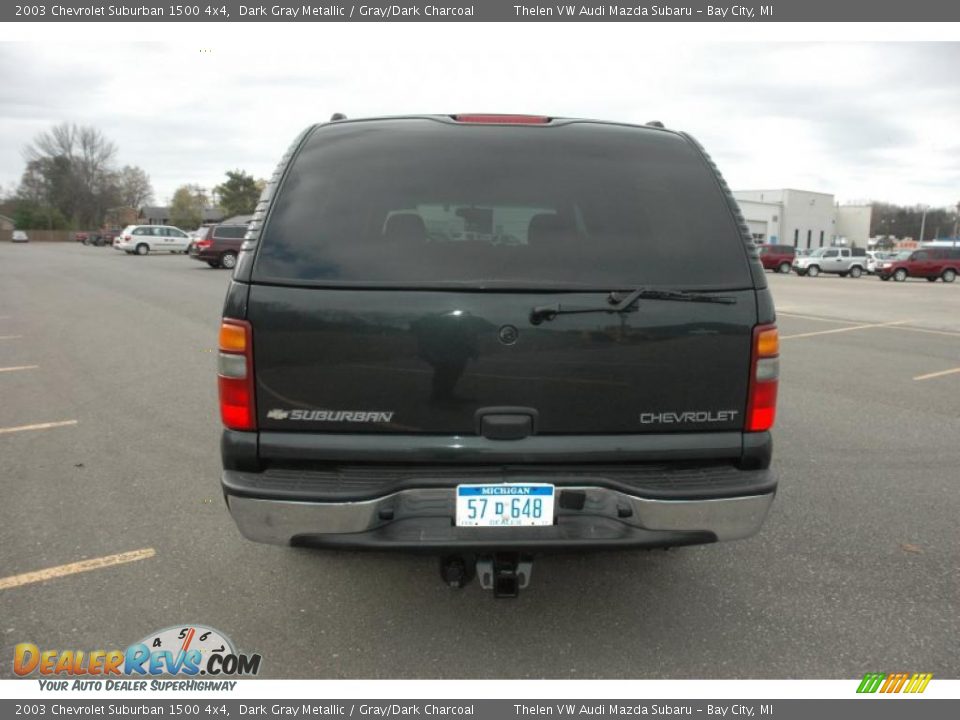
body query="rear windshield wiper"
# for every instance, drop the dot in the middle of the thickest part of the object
(617, 304)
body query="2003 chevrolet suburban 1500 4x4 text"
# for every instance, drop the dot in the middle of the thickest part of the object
(487, 336)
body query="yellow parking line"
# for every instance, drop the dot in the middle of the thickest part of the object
(19, 367)
(938, 374)
(38, 426)
(74, 568)
(843, 329)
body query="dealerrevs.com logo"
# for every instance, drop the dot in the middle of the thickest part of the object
(182, 651)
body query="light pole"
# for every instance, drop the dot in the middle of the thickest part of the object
(923, 222)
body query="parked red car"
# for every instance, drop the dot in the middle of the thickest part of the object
(930, 263)
(778, 258)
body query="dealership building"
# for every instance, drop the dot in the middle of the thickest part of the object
(802, 218)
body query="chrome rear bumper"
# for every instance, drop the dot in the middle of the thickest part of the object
(425, 518)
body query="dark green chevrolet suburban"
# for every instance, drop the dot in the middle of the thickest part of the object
(488, 336)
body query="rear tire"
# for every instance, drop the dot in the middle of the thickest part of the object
(142, 249)
(949, 275)
(813, 271)
(228, 260)
(856, 271)
(885, 278)
(900, 275)
(843, 274)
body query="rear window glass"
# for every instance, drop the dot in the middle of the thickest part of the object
(422, 202)
(231, 232)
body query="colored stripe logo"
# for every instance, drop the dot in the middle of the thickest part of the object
(894, 682)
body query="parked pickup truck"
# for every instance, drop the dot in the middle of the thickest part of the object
(836, 260)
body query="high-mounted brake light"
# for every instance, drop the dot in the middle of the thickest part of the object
(235, 375)
(484, 119)
(764, 379)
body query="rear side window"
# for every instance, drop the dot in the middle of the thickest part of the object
(423, 202)
(230, 232)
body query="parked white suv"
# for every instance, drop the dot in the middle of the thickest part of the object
(836, 260)
(142, 239)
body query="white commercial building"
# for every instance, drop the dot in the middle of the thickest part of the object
(853, 224)
(799, 218)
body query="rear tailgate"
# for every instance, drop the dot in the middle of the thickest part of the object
(425, 362)
(399, 261)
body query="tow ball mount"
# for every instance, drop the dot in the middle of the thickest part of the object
(506, 573)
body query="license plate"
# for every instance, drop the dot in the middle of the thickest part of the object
(505, 505)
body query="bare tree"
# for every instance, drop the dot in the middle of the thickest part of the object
(133, 186)
(82, 158)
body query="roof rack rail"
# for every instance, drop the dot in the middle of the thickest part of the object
(655, 123)
(337, 116)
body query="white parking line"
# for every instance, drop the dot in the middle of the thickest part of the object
(38, 426)
(928, 330)
(74, 568)
(814, 317)
(938, 374)
(843, 329)
(19, 367)
(10, 337)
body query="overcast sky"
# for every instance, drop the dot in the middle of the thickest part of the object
(861, 121)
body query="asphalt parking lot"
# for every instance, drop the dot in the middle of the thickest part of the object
(112, 358)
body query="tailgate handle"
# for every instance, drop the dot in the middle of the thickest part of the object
(506, 423)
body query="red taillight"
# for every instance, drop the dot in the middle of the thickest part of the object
(502, 119)
(204, 243)
(764, 379)
(235, 375)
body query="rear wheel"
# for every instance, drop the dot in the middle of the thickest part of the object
(949, 275)
(813, 271)
(843, 274)
(228, 260)
(856, 271)
(784, 268)
(900, 275)
(885, 277)
(142, 249)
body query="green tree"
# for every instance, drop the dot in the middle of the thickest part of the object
(186, 208)
(239, 194)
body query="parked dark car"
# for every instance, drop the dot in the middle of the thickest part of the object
(218, 245)
(930, 263)
(777, 257)
(392, 374)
